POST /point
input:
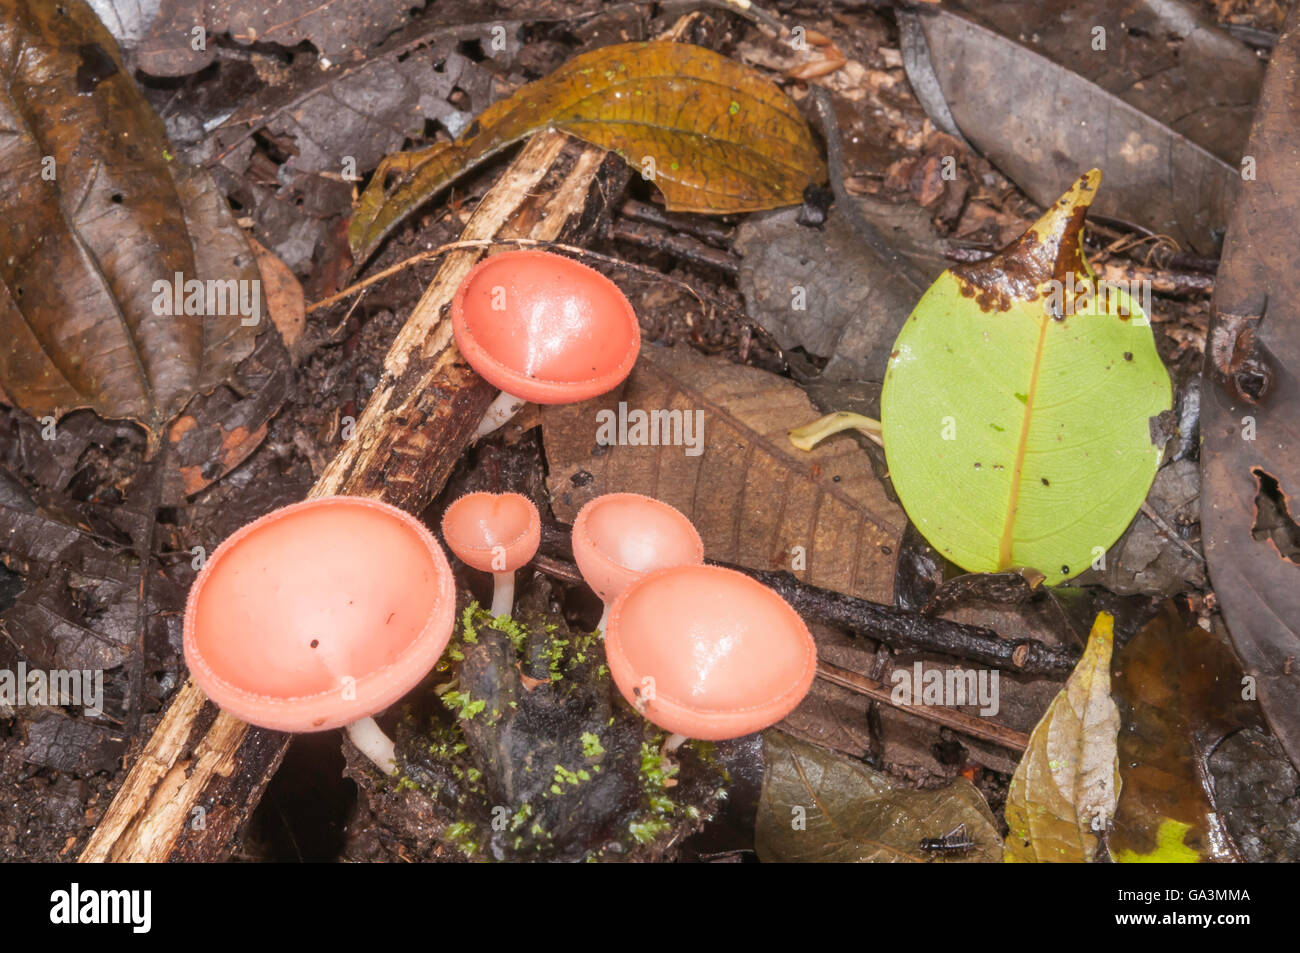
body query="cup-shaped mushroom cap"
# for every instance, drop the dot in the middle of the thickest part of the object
(493, 532)
(544, 328)
(708, 652)
(619, 537)
(319, 614)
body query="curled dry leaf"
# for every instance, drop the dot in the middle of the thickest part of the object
(753, 497)
(713, 135)
(1065, 789)
(1017, 405)
(823, 807)
(89, 193)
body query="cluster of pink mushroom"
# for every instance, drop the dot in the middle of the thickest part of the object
(324, 613)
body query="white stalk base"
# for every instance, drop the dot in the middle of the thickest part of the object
(498, 413)
(674, 742)
(374, 744)
(503, 593)
(604, 619)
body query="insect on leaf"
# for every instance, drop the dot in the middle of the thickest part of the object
(1066, 787)
(822, 807)
(713, 135)
(1017, 404)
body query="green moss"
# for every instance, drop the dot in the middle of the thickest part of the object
(591, 746)
(645, 832)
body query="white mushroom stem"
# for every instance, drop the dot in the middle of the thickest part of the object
(674, 742)
(374, 744)
(604, 618)
(365, 733)
(498, 413)
(503, 593)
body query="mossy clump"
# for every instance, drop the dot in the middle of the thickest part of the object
(527, 750)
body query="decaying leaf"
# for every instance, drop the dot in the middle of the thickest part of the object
(1060, 122)
(831, 293)
(1017, 404)
(1250, 458)
(1180, 692)
(818, 806)
(755, 499)
(713, 135)
(1166, 58)
(283, 295)
(95, 215)
(162, 34)
(1065, 789)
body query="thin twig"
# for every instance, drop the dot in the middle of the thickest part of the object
(949, 717)
(645, 270)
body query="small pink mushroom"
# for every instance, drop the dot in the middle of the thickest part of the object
(619, 537)
(496, 533)
(543, 328)
(706, 652)
(319, 615)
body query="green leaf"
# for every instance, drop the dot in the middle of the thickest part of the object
(819, 806)
(1067, 784)
(1017, 402)
(713, 135)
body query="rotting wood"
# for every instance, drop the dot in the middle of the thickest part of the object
(202, 772)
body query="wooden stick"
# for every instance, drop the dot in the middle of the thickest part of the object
(202, 772)
(989, 731)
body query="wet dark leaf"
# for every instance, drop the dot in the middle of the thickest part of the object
(830, 292)
(92, 194)
(1179, 691)
(1250, 456)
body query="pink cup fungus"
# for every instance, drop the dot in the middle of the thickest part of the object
(319, 615)
(709, 653)
(619, 537)
(543, 328)
(496, 533)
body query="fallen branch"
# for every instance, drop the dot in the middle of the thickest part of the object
(895, 627)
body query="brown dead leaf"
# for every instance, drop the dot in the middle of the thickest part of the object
(96, 214)
(753, 497)
(283, 296)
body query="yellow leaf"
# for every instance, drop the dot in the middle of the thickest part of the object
(713, 135)
(1066, 787)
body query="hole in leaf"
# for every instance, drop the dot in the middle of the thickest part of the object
(1273, 519)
